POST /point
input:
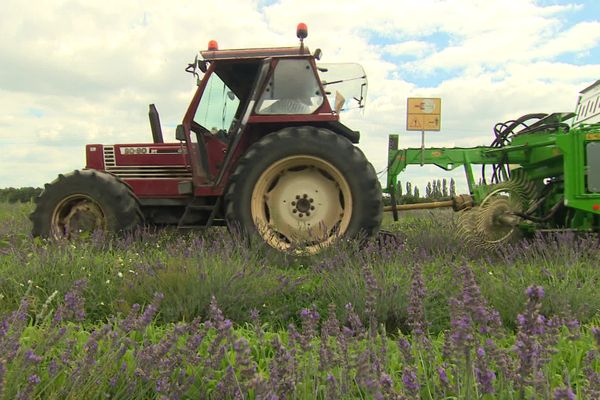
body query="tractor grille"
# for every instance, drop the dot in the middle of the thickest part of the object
(150, 172)
(109, 156)
(142, 171)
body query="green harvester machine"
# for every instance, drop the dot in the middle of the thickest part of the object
(541, 173)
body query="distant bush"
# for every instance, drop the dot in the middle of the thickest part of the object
(19, 195)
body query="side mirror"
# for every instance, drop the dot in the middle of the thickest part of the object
(180, 133)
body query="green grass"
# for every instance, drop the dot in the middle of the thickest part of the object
(190, 267)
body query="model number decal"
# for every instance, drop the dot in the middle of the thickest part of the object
(136, 150)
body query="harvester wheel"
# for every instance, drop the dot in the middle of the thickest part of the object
(494, 222)
(302, 188)
(84, 201)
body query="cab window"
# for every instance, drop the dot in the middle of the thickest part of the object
(217, 107)
(292, 89)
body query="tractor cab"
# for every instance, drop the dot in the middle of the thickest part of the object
(244, 94)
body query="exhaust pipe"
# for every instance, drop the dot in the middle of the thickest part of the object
(157, 135)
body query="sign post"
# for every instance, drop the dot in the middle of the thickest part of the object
(423, 114)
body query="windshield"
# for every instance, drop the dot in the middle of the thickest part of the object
(345, 85)
(292, 89)
(217, 107)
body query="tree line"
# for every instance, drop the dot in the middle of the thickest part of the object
(435, 190)
(19, 195)
(440, 189)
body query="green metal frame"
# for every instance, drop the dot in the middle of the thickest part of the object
(558, 155)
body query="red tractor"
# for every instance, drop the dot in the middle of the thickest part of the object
(260, 149)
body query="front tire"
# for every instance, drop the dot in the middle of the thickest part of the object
(84, 201)
(302, 188)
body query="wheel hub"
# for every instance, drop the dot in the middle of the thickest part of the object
(76, 214)
(302, 205)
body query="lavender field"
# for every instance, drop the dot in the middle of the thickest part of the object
(171, 315)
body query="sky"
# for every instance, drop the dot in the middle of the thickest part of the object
(77, 72)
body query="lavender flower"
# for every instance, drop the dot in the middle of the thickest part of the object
(53, 368)
(34, 379)
(534, 342)
(535, 293)
(411, 384)
(485, 376)
(371, 298)
(330, 328)
(2, 376)
(564, 394)
(443, 377)
(592, 389)
(416, 309)
(356, 326)
(150, 312)
(32, 358)
(332, 389)
(596, 334)
(282, 378)
(310, 318)
(406, 350)
(74, 303)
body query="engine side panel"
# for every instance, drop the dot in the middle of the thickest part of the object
(152, 170)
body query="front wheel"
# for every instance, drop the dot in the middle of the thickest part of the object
(303, 188)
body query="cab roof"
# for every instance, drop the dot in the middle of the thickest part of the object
(259, 53)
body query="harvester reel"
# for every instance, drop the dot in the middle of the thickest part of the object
(494, 222)
(467, 223)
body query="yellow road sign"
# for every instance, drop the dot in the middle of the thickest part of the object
(423, 114)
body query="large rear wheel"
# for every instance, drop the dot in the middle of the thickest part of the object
(302, 188)
(82, 202)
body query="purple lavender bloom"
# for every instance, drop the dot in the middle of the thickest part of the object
(535, 293)
(34, 379)
(596, 334)
(150, 312)
(74, 301)
(2, 376)
(406, 350)
(443, 376)
(485, 378)
(52, 368)
(304, 313)
(416, 309)
(32, 358)
(409, 379)
(564, 394)
(310, 319)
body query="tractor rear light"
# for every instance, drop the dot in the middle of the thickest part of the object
(596, 207)
(301, 31)
(213, 45)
